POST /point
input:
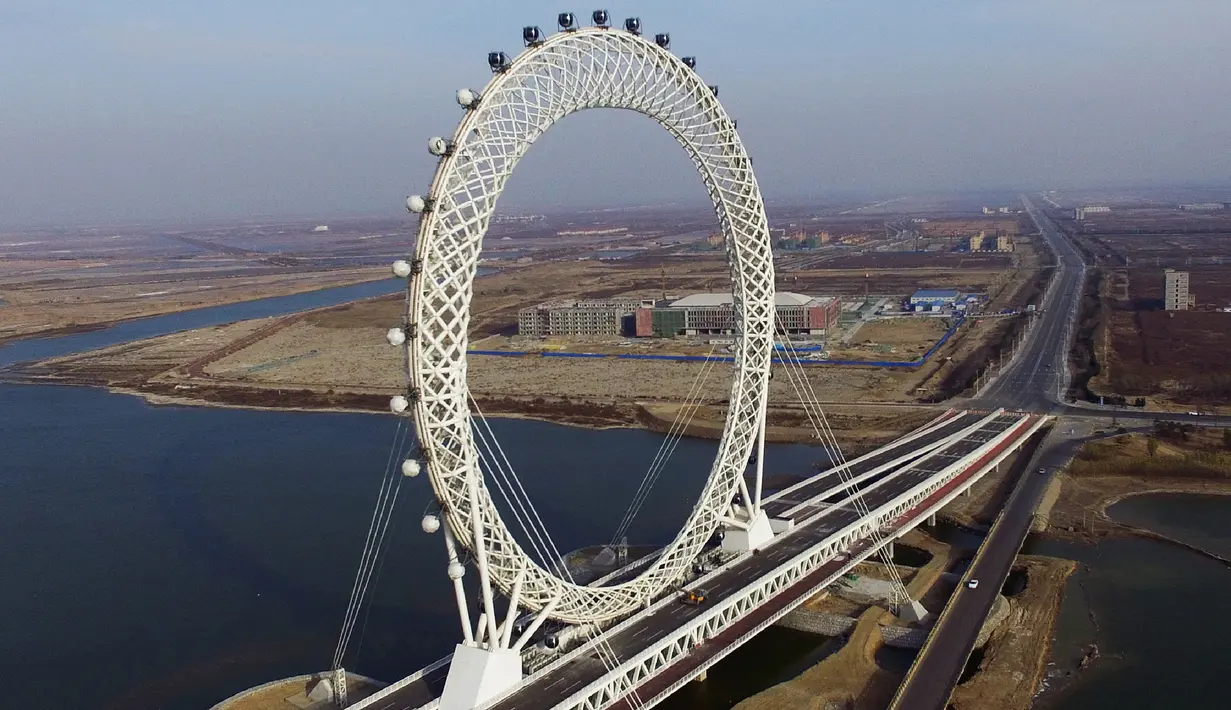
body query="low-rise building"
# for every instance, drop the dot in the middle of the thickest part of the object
(1081, 212)
(714, 313)
(933, 299)
(583, 317)
(698, 314)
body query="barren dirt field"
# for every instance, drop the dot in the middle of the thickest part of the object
(921, 260)
(895, 339)
(1173, 359)
(1169, 357)
(338, 357)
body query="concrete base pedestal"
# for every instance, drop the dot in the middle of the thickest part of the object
(477, 675)
(914, 611)
(758, 533)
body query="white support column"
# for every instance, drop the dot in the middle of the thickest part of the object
(534, 625)
(760, 474)
(480, 556)
(477, 675)
(757, 533)
(507, 635)
(456, 571)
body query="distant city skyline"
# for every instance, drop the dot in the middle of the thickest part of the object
(141, 111)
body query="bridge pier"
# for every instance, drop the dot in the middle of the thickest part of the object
(702, 677)
(752, 538)
(477, 675)
(913, 611)
(932, 518)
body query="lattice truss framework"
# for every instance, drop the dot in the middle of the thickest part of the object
(570, 72)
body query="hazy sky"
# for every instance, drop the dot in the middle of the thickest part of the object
(134, 110)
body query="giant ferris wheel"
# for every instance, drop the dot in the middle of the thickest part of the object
(578, 68)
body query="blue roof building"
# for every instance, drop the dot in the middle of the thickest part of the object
(934, 297)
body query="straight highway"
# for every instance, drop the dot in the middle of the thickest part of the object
(1034, 380)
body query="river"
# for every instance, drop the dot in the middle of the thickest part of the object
(166, 557)
(1159, 614)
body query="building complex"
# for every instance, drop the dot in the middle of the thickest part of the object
(698, 314)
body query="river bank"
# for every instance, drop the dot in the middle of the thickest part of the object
(862, 673)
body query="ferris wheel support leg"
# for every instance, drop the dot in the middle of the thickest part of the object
(534, 625)
(506, 635)
(756, 497)
(480, 556)
(463, 609)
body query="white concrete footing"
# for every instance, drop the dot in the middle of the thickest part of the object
(758, 533)
(322, 691)
(477, 675)
(913, 611)
(781, 525)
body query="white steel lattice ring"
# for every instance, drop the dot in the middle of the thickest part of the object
(573, 71)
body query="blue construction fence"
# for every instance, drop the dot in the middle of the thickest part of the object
(727, 358)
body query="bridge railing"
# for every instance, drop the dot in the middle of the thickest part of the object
(614, 685)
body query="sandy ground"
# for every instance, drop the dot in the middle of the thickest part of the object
(1014, 659)
(338, 358)
(291, 694)
(898, 339)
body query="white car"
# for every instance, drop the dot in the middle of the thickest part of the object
(972, 584)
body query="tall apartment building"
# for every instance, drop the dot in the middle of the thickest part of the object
(1175, 290)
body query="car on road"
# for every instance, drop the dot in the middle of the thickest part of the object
(972, 584)
(1042, 471)
(1194, 414)
(693, 597)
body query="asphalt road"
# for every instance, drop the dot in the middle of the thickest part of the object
(1032, 379)
(938, 668)
(814, 525)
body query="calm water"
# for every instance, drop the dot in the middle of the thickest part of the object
(165, 557)
(40, 348)
(1162, 613)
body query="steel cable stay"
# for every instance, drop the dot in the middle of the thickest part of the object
(820, 425)
(679, 425)
(517, 498)
(373, 552)
(377, 527)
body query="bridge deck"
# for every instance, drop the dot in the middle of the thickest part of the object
(825, 514)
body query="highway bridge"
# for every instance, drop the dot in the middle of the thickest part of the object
(670, 643)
